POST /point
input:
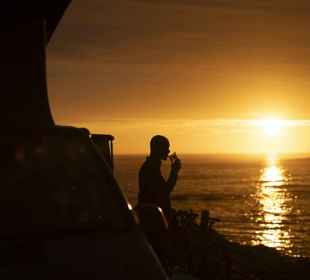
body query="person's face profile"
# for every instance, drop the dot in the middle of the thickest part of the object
(165, 151)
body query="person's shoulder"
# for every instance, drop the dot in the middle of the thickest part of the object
(144, 164)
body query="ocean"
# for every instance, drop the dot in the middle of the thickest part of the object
(258, 200)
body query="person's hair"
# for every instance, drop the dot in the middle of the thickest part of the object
(157, 142)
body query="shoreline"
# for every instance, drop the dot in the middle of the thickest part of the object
(204, 253)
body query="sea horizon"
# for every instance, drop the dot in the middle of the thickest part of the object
(282, 156)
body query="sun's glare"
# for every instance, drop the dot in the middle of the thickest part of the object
(271, 127)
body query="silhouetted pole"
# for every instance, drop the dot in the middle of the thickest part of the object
(23, 79)
(25, 31)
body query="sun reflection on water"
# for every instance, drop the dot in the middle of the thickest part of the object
(274, 206)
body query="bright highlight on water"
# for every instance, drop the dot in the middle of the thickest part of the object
(274, 205)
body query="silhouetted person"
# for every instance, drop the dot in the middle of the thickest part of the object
(154, 192)
(153, 188)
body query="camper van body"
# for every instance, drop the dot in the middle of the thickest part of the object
(63, 214)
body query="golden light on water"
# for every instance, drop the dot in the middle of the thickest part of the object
(274, 205)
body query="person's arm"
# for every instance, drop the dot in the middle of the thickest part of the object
(172, 179)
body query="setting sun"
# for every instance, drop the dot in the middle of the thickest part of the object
(271, 127)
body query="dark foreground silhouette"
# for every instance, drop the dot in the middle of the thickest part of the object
(202, 252)
(62, 213)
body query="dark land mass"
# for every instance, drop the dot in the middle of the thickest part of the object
(205, 254)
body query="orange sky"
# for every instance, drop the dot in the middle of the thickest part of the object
(134, 68)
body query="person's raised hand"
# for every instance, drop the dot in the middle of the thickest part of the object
(176, 165)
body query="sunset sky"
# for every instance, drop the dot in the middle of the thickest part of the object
(218, 76)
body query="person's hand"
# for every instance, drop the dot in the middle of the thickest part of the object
(176, 165)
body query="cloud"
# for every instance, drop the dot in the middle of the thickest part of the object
(196, 123)
(274, 6)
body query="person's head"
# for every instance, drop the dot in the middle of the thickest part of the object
(160, 147)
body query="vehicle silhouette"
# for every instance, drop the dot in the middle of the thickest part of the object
(63, 214)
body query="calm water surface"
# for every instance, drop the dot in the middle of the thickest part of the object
(258, 200)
